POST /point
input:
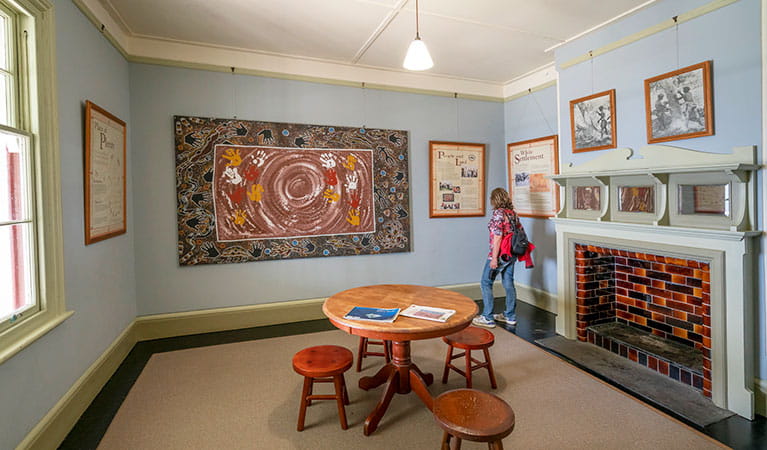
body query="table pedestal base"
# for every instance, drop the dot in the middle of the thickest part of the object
(401, 376)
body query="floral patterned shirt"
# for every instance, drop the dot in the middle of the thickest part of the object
(498, 225)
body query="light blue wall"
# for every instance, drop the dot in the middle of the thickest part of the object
(730, 37)
(444, 251)
(528, 117)
(100, 283)
(107, 290)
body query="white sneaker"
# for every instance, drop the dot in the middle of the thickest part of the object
(503, 319)
(482, 321)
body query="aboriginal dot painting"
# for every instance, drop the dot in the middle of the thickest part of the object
(253, 191)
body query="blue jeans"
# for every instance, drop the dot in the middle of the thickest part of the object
(507, 279)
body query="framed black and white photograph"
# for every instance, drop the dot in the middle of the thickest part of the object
(678, 104)
(592, 122)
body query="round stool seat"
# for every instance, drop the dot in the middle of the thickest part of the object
(470, 338)
(322, 361)
(474, 415)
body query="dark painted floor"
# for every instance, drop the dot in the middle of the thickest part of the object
(533, 323)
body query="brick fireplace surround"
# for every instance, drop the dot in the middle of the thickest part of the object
(653, 294)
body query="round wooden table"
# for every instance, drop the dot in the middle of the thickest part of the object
(400, 375)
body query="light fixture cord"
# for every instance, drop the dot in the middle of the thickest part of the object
(417, 34)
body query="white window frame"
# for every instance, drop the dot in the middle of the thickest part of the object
(37, 115)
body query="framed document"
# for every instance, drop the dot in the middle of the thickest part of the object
(457, 179)
(529, 162)
(105, 205)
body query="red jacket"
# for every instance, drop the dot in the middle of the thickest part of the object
(528, 257)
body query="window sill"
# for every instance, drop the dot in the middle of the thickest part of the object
(16, 340)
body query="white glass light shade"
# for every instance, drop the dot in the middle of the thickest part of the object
(417, 57)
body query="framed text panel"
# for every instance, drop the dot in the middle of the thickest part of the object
(105, 172)
(457, 179)
(529, 163)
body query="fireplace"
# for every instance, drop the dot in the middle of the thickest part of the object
(723, 302)
(649, 308)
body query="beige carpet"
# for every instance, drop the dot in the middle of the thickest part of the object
(245, 396)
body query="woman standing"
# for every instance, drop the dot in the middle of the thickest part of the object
(501, 222)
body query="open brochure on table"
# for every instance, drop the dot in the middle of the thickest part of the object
(372, 314)
(428, 313)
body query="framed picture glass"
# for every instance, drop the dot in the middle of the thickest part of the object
(587, 198)
(636, 199)
(457, 179)
(592, 122)
(704, 199)
(105, 206)
(678, 104)
(530, 162)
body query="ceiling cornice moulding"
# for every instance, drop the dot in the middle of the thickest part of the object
(191, 55)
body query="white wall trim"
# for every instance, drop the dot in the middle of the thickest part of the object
(763, 206)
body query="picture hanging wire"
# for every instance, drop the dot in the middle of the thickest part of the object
(540, 110)
(457, 118)
(591, 55)
(676, 36)
(234, 95)
(364, 106)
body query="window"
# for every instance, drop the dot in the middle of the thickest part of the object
(31, 272)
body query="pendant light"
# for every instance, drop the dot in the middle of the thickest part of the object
(417, 57)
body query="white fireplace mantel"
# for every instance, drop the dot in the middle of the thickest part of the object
(731, 258)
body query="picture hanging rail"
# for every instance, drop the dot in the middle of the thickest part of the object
(254, 191)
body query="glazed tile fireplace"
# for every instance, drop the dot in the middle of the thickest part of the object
(689, 290)
(652, 309)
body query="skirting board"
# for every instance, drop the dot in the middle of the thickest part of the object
(54, 427)
(223, 319)
(56, 424)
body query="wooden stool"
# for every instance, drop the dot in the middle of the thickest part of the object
(468, 339)
(362, 351)
(323, 364)
(473, 415)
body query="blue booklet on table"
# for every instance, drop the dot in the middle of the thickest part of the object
(372, 314)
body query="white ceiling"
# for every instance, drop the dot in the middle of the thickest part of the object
(485, 41)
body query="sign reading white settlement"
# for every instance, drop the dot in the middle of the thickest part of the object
(104, 174)
(457, 179)
(530, 162)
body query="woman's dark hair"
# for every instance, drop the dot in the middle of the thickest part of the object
(499, 198)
